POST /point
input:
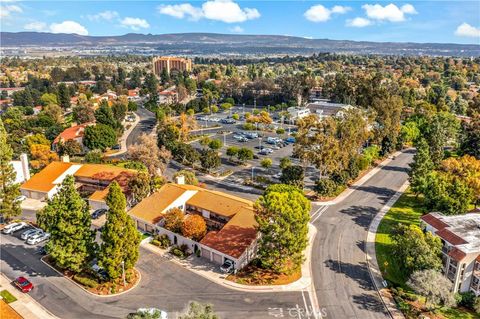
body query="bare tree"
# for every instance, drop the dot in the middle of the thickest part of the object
(147, 152)
(435, 287)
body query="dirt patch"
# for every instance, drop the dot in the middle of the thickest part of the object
(254, 276)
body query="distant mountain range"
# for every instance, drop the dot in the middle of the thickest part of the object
(214, 44)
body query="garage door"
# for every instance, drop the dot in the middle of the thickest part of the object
(217, 258)
(206, 254)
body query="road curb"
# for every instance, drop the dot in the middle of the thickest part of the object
(360, 182)
(123, 141)
(91, 293)
(371, 256)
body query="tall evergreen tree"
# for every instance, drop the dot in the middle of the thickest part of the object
(120, 236)
(421, 167)
(282, 214)
(63, 95)
(9, 190)
(67, 219)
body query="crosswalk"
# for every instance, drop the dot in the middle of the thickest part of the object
(316, 215)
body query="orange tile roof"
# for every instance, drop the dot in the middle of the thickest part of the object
(71, 133)
(43, 180)
(101, 171)
(99, 196)
(220, 203)
(7, 312)
(457, 254)
(450, 237)
(151, 209)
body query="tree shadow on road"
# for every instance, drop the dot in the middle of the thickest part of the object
(370, 302)
(361, 215)
(395, 169)
(357, 272)
(383, 193)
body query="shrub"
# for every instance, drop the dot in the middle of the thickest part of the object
(177, 252)
(363, 163)
(155, 242)
(341, 178)
(281, 131)
(85, 281)
(214, 109)
(353, 169)
(163, 241)
(466, 299)
(326, 187)
(248, 126)
(236, 116)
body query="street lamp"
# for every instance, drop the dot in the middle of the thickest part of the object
(123, 273)
(225, 138)
(260, 143)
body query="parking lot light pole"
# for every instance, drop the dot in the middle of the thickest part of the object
(260, 143)
(225, 138)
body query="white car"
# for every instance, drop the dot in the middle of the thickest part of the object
(152, 311)
(38, 238)
(26, 234)
(20, 198)
(11, 228)
(227, 266)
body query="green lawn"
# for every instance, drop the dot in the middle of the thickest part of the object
(407, 210)
(7, 296)
(457, 313)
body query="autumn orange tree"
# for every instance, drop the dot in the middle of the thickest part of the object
(194, 227)
(174, 219)
(41, 156)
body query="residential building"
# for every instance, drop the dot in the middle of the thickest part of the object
(91, 180)
(21, 168)
(231, 226)
(75, 132)
(167, 96)
(323, 108)
(171, 64)
(460, 235)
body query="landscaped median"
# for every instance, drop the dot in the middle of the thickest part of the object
(407, 211)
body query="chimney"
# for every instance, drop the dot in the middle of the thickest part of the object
(180, 179)
(25, 166)
(65, 159)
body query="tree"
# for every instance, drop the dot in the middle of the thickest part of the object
(190, 178)
(70, 147)
(67, 218)
(186, 154)
(199, 311)
(416, 250)
(293, 175)
(146, 151)
(266, 163)
(99, 136)
(83, 114)
(476, 305)
(420, 168)
(441, 131)
(470, 137)
(194, 227)
(388, 110)
(215, 144)
(121, 239)
(209, 159)
(63, 95)
(49, 98)
(41, 156)
(167, 135)
(465, 168)
(244, 154)
(282, 214)
(232, 151)
(432, 285)
(9, 190)
(173, 219)
(285, 162)
(94, 157)
(205, 141)
(145, 314)
(104, 115)
(139, 186)
(55, 112)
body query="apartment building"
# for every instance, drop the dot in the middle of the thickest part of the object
(171, 64)
(460, 235)
(231, 226)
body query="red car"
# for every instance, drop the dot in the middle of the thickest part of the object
(23, 284)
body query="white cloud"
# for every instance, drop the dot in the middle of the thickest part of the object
(105, 15)
(7, 10)
(358, 22)
(134, 23)
(389, 12)
(36, 26)
(68, 26)
(236, 29)
(319, 13)
(466, 30)
(181, 11)
(226, 11)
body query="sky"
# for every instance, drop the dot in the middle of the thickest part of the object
(382, 21)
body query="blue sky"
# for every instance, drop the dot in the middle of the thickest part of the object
(413, 21)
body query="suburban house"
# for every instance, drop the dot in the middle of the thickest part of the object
(91, 180)
(460, 235)
(75, 132)
(168, 96)
(231, 226)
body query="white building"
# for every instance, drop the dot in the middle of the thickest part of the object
(297, 113)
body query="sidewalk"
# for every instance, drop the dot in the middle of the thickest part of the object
(210, 271)
(25, 305)
(371, 257)
(360, 182)
(123, 139)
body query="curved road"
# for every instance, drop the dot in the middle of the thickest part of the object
(342, 282)
(146, 125)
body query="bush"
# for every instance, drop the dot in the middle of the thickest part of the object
(341, 178)
(363, 163)
(155, 242)
(281, 131)
(248, 126)
(163, 240)
(85, 281)
(176, 251)
(353, 169)
(466, 299)
(236, 116)
(326, 187)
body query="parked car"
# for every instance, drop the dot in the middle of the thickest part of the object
(42, 250)
(251, 135)
(228, 121)
(227, 266)
(23, 284)
(150, 313)
(116, 147)
(277, 176)
(290, 139)
(13, 227)
(33, 240)
(30, 232)
(266, 151)
(99, 212)
(20, 198)
(99, 271)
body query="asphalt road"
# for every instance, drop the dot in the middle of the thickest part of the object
(146, 125)
(342, 281)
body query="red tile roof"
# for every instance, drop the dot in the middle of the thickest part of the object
(434, 221)
(71, 133)
(457, 254)
(450, 237)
